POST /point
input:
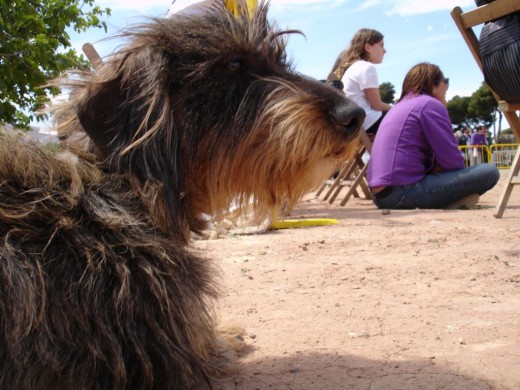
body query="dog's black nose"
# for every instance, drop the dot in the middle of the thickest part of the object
(350, 116)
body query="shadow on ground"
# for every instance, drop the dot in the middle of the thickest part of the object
(334, 372)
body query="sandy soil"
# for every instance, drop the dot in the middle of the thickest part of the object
(418, 299)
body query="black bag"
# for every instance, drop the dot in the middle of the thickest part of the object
(463, 140)
(500, 53)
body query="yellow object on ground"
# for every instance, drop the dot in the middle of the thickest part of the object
(299, 223)
(232, 5)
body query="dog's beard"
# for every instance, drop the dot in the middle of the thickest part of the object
(320, 172)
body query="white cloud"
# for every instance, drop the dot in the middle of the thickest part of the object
(400, 7)
(139, 5)
(368, 4)
(276, 3)
(414, 7)
(145, 5)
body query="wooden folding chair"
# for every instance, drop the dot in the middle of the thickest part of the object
(343, 176)
(351, 174)
(465, 22)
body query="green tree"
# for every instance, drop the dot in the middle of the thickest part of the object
(484, 107)
(35, 47)
(387, 92)
(458, 110)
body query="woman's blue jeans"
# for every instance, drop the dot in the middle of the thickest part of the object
(437, 191)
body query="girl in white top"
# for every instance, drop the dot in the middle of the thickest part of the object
(355, 67)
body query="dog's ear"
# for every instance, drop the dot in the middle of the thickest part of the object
(96, 113)
(124, 104)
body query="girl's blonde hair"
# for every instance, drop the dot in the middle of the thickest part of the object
(355, 52)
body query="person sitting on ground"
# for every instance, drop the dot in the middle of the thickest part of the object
(355, 67)
(415, 160)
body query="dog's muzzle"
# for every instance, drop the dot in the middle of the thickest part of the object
(350, 116)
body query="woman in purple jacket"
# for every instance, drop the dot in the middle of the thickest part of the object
(415, 161)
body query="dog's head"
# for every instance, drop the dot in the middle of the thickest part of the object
(209, 108)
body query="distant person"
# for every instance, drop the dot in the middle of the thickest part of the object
(415, 160)
(355, 66)
(465, 136)
(479, 142)
(464, 141)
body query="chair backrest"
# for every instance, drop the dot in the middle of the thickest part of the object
(465, 21)
(92, 55)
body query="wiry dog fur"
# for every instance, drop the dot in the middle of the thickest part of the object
(98, 289)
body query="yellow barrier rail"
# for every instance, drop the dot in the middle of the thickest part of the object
(501, 155)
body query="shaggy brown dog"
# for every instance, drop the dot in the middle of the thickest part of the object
(97, 287)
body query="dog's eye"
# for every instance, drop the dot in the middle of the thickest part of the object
(235, 65)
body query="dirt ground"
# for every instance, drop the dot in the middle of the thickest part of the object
(418, 299)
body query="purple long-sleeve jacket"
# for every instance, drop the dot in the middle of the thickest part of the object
(413, 135)
(478, 139)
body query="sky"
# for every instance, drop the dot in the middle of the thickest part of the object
(414, 30)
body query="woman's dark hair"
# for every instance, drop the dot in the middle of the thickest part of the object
(421, 79)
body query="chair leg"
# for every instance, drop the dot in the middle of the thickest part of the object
(364, 187)
(327, 183)
(512, 180)
(359, 178)
(350, 168)
(338, 181)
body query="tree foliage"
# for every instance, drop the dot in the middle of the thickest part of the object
(458, 110)
(480, 108)
(483, 105)
(387, 92)
(35, 47)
